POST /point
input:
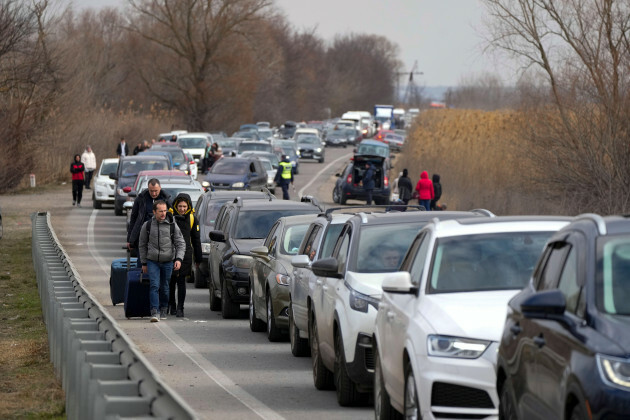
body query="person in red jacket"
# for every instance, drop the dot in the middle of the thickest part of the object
(77, 169)
(425, 190)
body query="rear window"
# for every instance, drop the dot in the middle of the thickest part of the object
(382, 248)
(255, 224)
(193, 143)
(497, 261)
(373, 150)
(261, 147)
(613, 274)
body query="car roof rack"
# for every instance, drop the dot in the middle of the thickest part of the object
(483, 212)
(266, 191)
(330, 210)
(312, 200)
(595, 218)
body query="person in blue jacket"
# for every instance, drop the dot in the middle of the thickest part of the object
(368, 182)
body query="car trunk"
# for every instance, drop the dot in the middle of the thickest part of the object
(359, 169)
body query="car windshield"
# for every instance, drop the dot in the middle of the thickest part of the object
(131, 168)
(372, 150)
(260, 146)
(350, 132)
(308, 140)
(292, 239)
(108, 168)
(255, 224)
(497, 261)
(613, 272)
(382, 248)
(212, 210)
(193, 143)
(230, 167)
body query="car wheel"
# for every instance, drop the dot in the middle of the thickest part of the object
(347, 393)
(507, 405)
(578, 412)
(299, 346)
(273, 332)
(215, 302)
(342, 198)
(95, 203)
(255, 324)
(229, 309)
(321, 160)
(383, 409)
(335, 195)
(412, 408)
(322, 377)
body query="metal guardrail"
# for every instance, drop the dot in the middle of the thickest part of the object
(103, 373)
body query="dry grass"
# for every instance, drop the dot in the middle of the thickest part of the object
(28, 387)
(481, 158)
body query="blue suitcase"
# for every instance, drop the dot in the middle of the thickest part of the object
(118, 277)
(137, 294)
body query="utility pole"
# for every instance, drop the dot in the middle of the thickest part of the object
(412, 95)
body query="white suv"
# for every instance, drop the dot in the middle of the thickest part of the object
(104, 186)
(346, 296)
(318, 243)
(441, 317)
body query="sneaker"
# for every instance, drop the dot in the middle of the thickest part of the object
(154, 317)
(163, 313)
(74, 202)
(78, 204)
(180, 313)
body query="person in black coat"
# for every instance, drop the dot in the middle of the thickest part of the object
(183, 214)
(405, 187)
(123, 148)
(368, 181)
(437, 188)
(142, 211)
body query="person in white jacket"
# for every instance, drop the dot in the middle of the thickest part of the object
(89, 160)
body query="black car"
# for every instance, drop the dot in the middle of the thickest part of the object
(565, 348)
(128, 169)
(348, 185)
(310, 147)
(230, 173)
(206, 210)
(240, 226)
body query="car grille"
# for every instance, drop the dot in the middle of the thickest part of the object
(449, 395)
(221, 185)
(369, 358)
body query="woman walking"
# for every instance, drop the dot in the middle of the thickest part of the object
(425, 191)
(77, 169)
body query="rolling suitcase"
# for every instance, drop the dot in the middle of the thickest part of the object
(118, 277)
(137, 294)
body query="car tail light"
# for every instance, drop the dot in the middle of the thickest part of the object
(349, 179)
(191, 162)
(386, 182)
(127, 190)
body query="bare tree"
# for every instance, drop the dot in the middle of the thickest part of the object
(582, 52)
(190, 37)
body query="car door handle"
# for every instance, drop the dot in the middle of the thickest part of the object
(539, 341)
(391, 315)
(516, 329)
(325, 287)
(319, 282)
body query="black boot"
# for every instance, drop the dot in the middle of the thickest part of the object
(172, 309)
(180, 312)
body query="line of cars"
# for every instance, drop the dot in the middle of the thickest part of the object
(408, 310)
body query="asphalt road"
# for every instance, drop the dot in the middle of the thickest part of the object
(218, 366)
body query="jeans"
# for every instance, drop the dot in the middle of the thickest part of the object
(159, 275)
(285, 190)
(426, 204)
(368, 193)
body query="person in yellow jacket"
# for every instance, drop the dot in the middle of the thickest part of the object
(284, 176)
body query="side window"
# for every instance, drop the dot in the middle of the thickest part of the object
(219, 218)
(225, 222)
(309, 249)
(342, 251)
(551, 272)
(568, 282)
(419, 259)
(270, 235)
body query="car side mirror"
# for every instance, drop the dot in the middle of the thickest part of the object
(399, 283)
(338, 175)
(300, 261)
(133, 194)
(128, 205)
(217, 236)
(545, 304)
(326, 267)
(260, 251)
(113, 176)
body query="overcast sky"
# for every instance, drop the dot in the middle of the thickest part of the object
(442, 35)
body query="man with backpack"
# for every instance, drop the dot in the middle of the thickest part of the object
(162, 249)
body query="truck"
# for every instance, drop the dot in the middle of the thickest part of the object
(384, 115)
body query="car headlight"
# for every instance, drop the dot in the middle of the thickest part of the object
(205, 248)
(319, 150)
(299, 153)
(359, 301)
(242, 261)
(614, 371)
(462, 348)
(282, 280)
(238, 185)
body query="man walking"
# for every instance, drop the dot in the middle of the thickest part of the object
(284, 176)
(89, 160)
(368, 182)
(162, 249)
(123, 149)
(142, 210)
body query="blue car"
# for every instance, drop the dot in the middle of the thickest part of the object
(565, 348)
(230, 173)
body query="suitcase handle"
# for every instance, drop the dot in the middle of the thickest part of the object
(129, 257)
